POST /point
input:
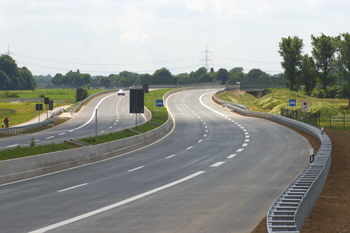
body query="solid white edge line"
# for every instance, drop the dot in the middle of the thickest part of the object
(73, 187)
(115, 205)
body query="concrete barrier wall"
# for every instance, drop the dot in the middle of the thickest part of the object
(22, 168)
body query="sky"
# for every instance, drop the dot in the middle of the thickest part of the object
(101, 37)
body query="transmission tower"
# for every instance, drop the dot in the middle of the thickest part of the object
(207, 61)
(8, 51)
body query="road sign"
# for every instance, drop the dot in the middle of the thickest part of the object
(292, 102)
(305, 106)
(159, 103)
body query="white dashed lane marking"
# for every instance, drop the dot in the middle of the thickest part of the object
(170, 156)
(231, 156)
(217, 164)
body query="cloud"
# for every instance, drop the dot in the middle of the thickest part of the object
(137, 38)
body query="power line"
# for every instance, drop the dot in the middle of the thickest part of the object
(108, 64)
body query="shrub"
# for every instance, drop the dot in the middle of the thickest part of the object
(318, 93)
(8, 94)
(334, 92)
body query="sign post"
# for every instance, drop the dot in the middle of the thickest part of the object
(39, 107)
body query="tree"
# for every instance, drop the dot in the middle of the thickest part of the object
(308, 74)
(27, 79)
(290, 50)
(222, 75)
(9, 67)
(323, 51)
(146, 78)
(257, 73)
(343, 61)
(199, 72)
(163, 76)
(57, 79)
(5, 81)
(205, 78)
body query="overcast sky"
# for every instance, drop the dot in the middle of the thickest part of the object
(101, 37)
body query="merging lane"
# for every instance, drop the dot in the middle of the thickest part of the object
(216, 172)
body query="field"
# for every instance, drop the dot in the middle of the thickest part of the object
(19, 106)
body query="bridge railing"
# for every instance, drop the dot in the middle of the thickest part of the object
(290, 209)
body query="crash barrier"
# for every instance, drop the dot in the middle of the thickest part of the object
(290, 209)
(22, 168)
(20, 129)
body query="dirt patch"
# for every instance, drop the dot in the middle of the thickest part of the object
(331, 213)
(238, 92)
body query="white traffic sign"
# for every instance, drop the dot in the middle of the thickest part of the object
(305, 106)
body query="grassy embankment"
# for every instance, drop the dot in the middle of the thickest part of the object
(159, 116)
(276, 99)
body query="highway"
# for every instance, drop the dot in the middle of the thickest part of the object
(215, 172)
(112, 115)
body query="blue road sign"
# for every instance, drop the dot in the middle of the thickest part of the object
(292, 102)
(159, 103)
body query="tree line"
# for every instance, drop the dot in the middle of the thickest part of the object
(13, 77)
(328, 67)
(160, 77)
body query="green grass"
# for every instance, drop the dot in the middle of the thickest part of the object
(53, 94)
(108, 137)
(25, 111)
(277, 98)
(28, 151)
(21, 112)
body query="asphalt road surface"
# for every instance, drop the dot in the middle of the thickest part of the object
(112, 115)
(215, 172)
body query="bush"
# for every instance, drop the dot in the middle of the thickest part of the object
(318, 93)
(334, 92)
(32, 142)
(8, 94)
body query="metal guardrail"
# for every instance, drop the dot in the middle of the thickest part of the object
(290, 209)
(20, 129)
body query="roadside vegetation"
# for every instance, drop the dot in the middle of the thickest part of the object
(277, 99)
